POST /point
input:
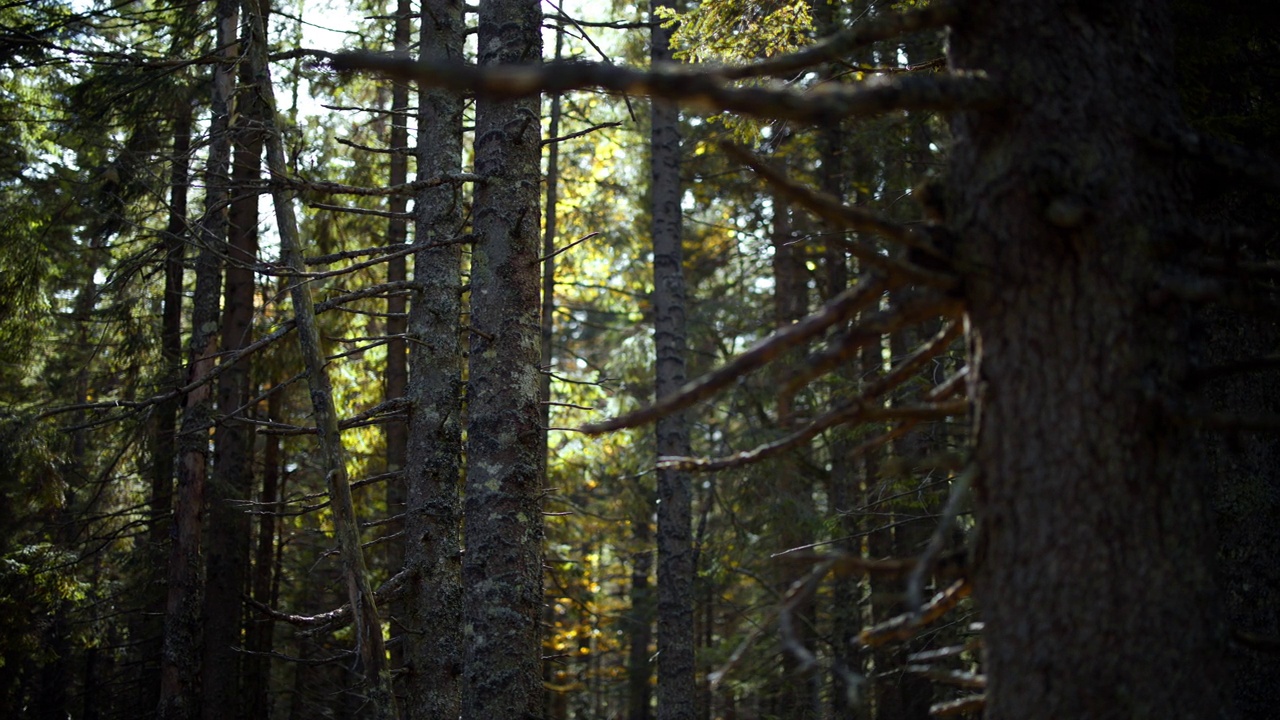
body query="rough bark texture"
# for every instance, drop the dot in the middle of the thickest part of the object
(227, 536)
(1093, 569)
(378, 699)
(397, 377)
(180, 667)
(433, 657)
(676, 688)
(502, 567)
(259, 634)
(640, 623)
(796, 694)
(164, 421)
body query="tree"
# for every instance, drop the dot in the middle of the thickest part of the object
(434, 459)
(674, 535)
(183, 638)
(1063, 222)
(502, 566)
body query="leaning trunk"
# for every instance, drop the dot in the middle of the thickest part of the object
(1092, 569)
(371, 660)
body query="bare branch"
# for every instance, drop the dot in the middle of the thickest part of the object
(959, 493)
(957, 678)
(969, 706)
(839, 309)
(855, 411)
(905, 626)
(407, 189)
(840, 215)
(703, 92)
(869, 329)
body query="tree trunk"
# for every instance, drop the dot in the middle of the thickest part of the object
(553, 701)
(180, 696)
(397, 377)
(640, 622)
(1093, 569)
(164, 420)
(227, 537)
(379, 700)
(502, 568)
(676, 687)
(433, 609)
(258, 638)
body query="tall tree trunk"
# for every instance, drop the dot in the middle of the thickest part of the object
(258, 638)
(227, 536)
(180, 696)
(433, 609)
(379, 700)
(1093, 572)
(502, 568)
(676, 686)
(552, 700)
(640, 622)
(164, 419)
(796, 694)
(397, 378)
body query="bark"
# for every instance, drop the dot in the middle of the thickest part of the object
(258, 640)
(433, 610)
(502, 568)
(379, 701)
(640, 623)
(227, 537)
(676, 687)
(1093, 572)
(554, 703)
(397, 377)
(180, 696)
(164, 420)
(796, 695)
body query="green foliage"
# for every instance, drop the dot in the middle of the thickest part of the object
(738, 30)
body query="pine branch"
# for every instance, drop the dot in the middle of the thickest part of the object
(700, 91)
(840, 45)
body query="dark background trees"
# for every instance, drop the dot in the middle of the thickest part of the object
(1114, 277)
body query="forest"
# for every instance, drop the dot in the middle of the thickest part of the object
(690, 360)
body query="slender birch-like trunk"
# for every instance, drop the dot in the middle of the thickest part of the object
(370, 645)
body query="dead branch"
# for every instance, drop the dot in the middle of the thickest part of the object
(956, 678)
(839, 309)
(854, 411)
(838, 214)
(928, 558)
(972, 705)
(907, 625)
(228, 360)
(700, 92)
(880, 323)
(406, 189)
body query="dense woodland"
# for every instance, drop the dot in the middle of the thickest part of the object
(692, 360)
